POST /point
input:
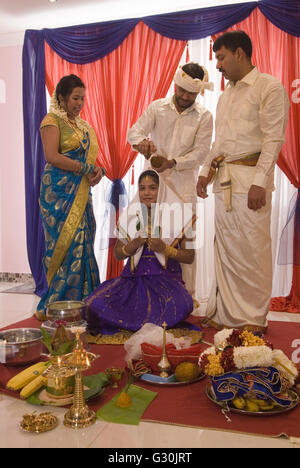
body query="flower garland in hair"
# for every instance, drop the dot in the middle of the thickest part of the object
(56, 109)
(237, 349)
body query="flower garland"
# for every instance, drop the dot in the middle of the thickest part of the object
(237, 349)
(56, 109)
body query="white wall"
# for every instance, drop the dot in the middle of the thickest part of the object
(13, 251)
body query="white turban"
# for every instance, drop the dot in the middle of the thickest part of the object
(193, 85)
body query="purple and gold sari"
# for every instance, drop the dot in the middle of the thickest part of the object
(149, 294)
(150, 288)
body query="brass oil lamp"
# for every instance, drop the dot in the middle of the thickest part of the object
(79, 415)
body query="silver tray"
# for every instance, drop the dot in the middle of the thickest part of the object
(172, 384)
(277, 410)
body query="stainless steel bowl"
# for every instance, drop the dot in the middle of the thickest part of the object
(67, 311)
(19, 346)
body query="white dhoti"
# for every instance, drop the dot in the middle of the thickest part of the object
(242, 288)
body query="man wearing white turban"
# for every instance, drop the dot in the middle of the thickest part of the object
(179, 131)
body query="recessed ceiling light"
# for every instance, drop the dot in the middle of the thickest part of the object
(52, 1)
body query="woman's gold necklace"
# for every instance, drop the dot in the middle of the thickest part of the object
(79, 133)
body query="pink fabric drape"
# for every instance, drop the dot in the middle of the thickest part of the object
(119, 88)
(277, 53)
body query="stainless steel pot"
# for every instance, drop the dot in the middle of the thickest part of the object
(67, 311)
(19, 346)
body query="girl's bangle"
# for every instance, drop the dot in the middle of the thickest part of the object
(170, 251)
(124, 251)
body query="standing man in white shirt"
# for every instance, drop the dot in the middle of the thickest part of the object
(251, 118)
(178, 129)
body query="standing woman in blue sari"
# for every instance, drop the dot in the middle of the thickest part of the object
(71, 148)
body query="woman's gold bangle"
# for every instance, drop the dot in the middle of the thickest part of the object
(170, 251)
(124, 251)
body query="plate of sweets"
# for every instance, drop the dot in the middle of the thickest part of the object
(248, 376)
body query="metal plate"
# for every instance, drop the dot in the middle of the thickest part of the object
(277, 410)
(172, 384)
(50, 423)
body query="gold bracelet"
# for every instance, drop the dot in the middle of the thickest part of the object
(170, 251)
(124, 251)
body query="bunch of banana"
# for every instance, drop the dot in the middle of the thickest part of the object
(29, 380)
(253, 404)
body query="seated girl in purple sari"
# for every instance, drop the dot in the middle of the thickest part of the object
(150, 288)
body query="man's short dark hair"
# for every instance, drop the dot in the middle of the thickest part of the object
(194, 70)
(232, 40)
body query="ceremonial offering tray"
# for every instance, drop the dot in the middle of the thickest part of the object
(20, 346)
(66, 311)
(39, 423)
(42, 398)
(168, 381)
(247, 375)
(292, 394)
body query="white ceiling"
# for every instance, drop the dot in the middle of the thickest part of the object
(18, 15)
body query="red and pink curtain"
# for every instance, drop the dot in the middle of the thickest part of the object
(128, 63)
(119, 88)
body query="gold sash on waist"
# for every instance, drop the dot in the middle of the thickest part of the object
(75, 214)
(225, 182)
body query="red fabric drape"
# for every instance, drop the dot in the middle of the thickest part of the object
(119, 88)
(277, 53)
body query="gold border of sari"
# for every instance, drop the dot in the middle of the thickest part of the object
(75, 215)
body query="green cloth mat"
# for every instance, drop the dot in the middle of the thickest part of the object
(140, 398)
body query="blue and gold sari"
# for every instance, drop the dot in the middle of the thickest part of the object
(68, 220)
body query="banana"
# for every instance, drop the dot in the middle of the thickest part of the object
(239, 402)
(264, 405)
(251, 406)
(26, 376)
(33, 386)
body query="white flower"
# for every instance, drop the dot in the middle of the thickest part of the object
(285, 366)
(252, 356)
(221, 337)
(57, 110)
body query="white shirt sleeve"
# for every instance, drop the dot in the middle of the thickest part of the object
(141, 129)
(273, 119)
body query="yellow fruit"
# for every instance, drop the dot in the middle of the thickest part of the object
(124, 400)
(26, 376)
(264, 405)
(186, 371)
(33, 386)
(239, 402)
(251, 406)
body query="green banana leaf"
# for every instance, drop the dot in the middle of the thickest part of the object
(95, 383)
(140, 398)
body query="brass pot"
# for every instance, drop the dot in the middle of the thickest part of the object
(66, 311)
(60, 380)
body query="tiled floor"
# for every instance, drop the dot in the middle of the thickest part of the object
(15, 307)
